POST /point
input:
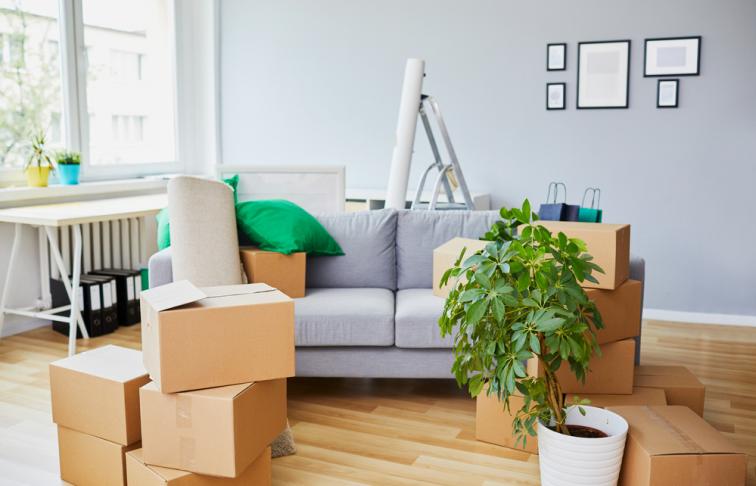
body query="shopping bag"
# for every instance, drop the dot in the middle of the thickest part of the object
(592, 213)
(552, 210)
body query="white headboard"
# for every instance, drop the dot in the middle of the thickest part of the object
(317, 188)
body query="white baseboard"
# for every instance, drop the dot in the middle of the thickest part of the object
(699, 317)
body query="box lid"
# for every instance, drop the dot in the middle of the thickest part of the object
(172, 295)
(228, 392)
(110, 362)
(673, 430)
(678, 376)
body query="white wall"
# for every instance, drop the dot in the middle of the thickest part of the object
(318, 82)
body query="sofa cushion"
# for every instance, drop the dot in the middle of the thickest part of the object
(417, 313)
(345, 317)
(368, 239)
(418, 233)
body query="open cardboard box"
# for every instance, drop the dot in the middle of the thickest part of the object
(86, 460)
(283, 272)
(444, 257)
(609, 244)
(216, 431)
(680, 386)
(141, 474)
(200, 338)
(671, 445)
(97, 392)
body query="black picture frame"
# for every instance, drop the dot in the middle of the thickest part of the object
(564, 96)
(677, 92)
(563, 45)
(662, 39)
(627, 80)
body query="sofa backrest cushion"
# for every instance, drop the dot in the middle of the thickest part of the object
(418, 233)
(368, 239)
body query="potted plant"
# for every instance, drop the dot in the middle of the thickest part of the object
(39, 165)
(69, 164)
(518, 299)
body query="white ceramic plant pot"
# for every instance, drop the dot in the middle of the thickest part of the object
(578, 461)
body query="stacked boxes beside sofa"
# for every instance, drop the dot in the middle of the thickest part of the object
(218, 358)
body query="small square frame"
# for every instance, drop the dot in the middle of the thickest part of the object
(564, 96)
(564, 56)
(658, 92)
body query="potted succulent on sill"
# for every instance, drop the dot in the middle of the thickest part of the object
(39, 165)
(69, 165)
(520, 298)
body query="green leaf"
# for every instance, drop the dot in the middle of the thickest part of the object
(476, 311)
(549, 325)
(482, 279)
(498, 309)
(535, 346)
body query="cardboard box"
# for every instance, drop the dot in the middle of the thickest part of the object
(609, 244)
(88, 460)
(217, 431)
(620, 310)
(671, 445)
(680, 386)
(97, 392)
(444, 257)
(200, 338)
(140, 474)
(283, 272)
(639, 396)
(611, 373)
(493, 424)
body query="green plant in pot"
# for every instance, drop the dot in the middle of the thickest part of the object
(39, 165)
(518, 299)
(69, 166)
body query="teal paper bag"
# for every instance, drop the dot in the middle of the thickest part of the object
(592, 213)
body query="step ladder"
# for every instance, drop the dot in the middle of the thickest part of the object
(449, 175)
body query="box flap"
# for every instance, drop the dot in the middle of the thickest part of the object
(172, 295)
(231, 290)
(666, 430)
(164, 473)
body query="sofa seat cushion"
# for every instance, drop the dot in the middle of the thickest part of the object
(417, 313)
(345, 317)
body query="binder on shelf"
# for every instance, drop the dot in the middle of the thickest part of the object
(109, 299)
(128, 286)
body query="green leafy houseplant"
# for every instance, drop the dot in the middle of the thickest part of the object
(39, 157)
(520, 298)
(68, 158)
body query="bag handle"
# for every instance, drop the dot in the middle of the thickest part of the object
(555, 186)
(595, 197)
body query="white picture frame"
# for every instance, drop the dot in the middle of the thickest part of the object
(667, 93)
(555, 96)
(672, 56)
(603, 79)
(556, 57)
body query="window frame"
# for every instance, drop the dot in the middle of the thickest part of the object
(74, 116)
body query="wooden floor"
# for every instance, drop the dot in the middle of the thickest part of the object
(383, 432)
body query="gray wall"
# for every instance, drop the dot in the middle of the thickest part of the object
(318, 82)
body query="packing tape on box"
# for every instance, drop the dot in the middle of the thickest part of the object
(186, 452)
(183, 412)
(684, 438)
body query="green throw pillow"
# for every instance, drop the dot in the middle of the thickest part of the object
(163, 221)
(282, 226)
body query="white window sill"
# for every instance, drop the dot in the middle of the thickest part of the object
(23, 196)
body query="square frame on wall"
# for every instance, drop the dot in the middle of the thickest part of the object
(603, 78)
(556, 57)
(556, 94)
(672, 56)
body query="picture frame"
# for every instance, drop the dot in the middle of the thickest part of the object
(672, 56)
(603, 77)
(555, 96)
(667, 93)
(556, 57)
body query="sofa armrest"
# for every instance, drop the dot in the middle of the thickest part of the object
(160, 268)
(637, 268)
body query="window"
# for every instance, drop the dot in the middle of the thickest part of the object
(111, 96)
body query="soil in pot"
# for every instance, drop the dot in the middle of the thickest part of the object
(583, 431)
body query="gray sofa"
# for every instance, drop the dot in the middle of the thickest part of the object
(371, 312)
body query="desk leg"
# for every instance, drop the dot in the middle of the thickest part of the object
(64, 277)
(9, 273)
(76, 275)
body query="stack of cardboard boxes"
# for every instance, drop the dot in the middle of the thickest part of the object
(648, 397)
(218, 358)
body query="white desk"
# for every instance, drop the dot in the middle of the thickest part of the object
(48, 218)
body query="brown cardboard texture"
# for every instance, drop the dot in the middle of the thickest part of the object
(620, 311)
(609, 244)
(610, 373)
(140, 474)
(283, 272)
(680, 385)
(493, 424)
(216, 431)
(671, 445)
(200, 338)
(640, 396)
(88, 460)
(444, 257)
(97, 392)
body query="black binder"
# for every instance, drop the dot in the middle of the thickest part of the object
(109, 299)
(90, 305)
(128, 288)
